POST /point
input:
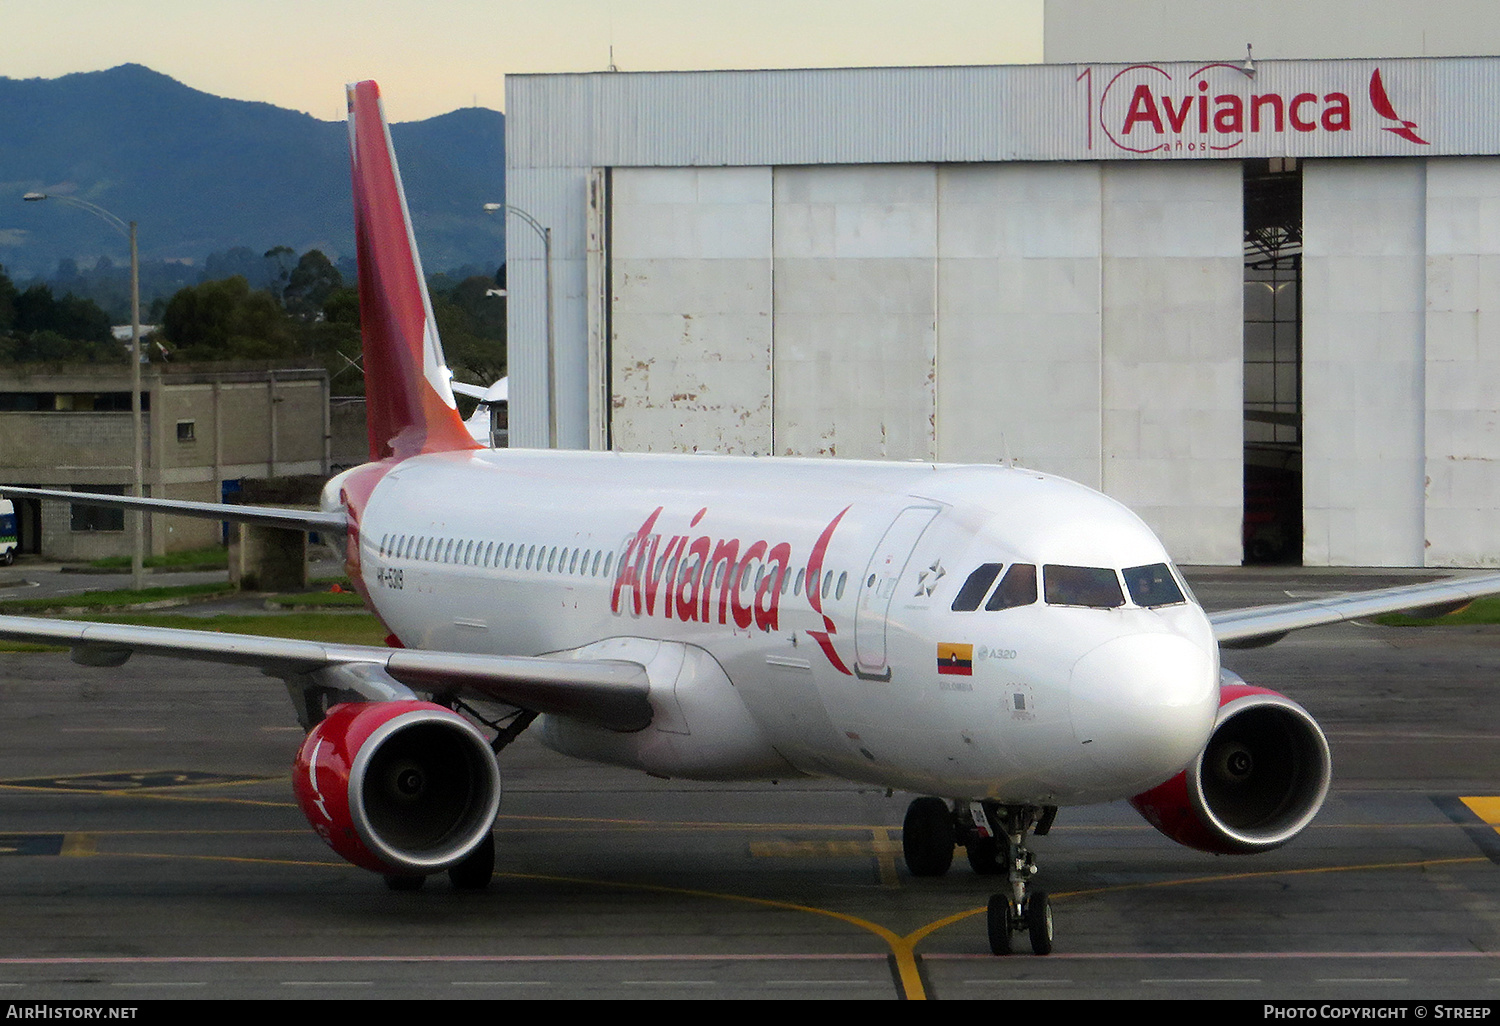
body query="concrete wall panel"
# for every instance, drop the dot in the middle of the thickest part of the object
(1462, 362)
(691, 326)
(855, 312)
(1172, 362)
(1363, 363)
(1019, 330)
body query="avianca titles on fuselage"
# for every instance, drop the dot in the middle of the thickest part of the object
(985, 631)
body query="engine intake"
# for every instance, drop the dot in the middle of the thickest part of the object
(1259, 781)
(406, 788)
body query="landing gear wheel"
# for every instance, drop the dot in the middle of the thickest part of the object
(474, 872)
(986, 856)
(8, 558)
(927, 837)
(405, 883)
(1000, 923)
(1039, 923)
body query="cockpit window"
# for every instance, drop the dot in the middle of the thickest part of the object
(975, 588)
(1017, 588)
(1093, 586)
(1153, 585)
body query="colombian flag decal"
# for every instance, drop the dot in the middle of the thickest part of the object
(955, 660)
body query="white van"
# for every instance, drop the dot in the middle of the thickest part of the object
(8, 539)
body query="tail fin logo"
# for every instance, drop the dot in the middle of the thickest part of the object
(408, 400)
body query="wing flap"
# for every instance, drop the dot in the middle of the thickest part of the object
(612, 693)
(1267, 623)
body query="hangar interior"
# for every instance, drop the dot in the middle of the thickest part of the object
(1268, 358)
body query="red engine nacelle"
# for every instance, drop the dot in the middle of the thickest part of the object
(401, 788)
(1258, 782)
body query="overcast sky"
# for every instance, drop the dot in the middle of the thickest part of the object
(433, 56)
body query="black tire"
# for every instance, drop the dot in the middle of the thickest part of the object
(405, 883)
(927, 838)
(999, 922)
(474, 872)
(985, 856)
(1039, 922)
(8, 558)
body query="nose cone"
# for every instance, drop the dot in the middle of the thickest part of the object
(1142, 707)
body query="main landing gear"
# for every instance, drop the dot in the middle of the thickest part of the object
(472, 874)
(994, 836)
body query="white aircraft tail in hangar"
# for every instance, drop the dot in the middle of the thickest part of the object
(1002, 642)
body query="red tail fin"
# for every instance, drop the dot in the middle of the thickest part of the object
(408, 401)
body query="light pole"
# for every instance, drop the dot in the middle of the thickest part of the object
(138, 551)
(545, 234)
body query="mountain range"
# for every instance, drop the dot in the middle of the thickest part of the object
(202, 174)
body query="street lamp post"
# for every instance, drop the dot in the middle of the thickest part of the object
(545, 234)
(138, 550)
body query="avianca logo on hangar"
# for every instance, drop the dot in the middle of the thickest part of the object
(1144, 109)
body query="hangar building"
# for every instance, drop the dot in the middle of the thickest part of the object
(1258, 301)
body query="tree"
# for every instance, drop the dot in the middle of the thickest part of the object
(225, 320)
(49, 346)
(310, 284)
(279, 269)
(81, 319)
(36, 327)
(8, 296)
(342, 307)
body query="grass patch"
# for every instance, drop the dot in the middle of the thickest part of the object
(317, 600)
(214, 558)
(1481, 611)
(108, 599)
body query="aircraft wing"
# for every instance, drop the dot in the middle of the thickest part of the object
(1262, 625)
(267, 516)
(607, 692)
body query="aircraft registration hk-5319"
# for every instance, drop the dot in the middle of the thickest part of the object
(999, 641)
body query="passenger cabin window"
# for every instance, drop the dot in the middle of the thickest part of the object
(1153, 586)
(1096, 587)
(1017, 588)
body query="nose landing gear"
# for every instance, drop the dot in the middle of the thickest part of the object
(994, 836)
(1014, 910)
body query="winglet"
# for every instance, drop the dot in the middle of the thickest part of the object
(408, 402)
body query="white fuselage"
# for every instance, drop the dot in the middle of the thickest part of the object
(702, 567)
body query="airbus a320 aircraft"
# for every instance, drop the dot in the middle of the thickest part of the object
(999, 641)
